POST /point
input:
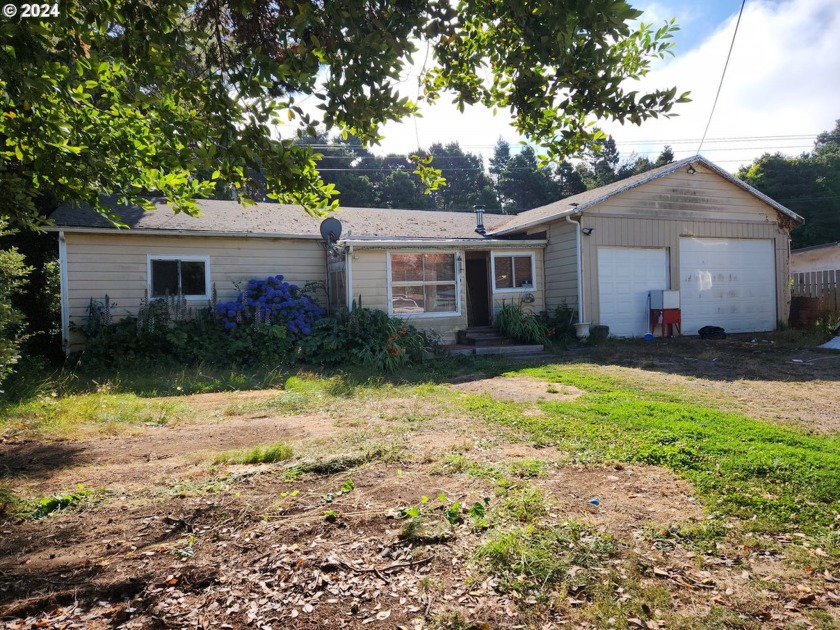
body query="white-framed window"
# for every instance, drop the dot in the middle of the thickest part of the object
(514, 271)
(179, 275)
(423, 284)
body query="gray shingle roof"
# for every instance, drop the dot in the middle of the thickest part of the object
(228, 217)
(579, 203)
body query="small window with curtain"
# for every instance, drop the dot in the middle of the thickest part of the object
(423, 284)
(513, 272)
(178, 276)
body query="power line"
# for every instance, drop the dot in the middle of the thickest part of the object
(723, 74)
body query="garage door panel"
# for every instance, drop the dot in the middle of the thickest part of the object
(729, 283)
(625, 276)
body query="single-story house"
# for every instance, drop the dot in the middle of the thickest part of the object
(817, 258)
(689, 225)
(815, 272)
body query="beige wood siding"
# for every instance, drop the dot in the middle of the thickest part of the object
(369, 268)
(115, 265)
(658, 213)
(561, 265)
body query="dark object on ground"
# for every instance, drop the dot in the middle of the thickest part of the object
(599, 333)
(712, 332)
(804, 311)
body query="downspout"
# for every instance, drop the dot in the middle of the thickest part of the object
(64, 295)
(327, 276)
(348, 269)
(581, 318)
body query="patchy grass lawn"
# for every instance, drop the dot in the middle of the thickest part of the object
(627, 487)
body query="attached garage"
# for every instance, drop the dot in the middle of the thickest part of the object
(727, 282)
(625, 276)
(689, 226)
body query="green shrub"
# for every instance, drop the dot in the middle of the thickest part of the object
(366, 336)
(13, 276)
(167, 329)
(560, 322)
(513, 321)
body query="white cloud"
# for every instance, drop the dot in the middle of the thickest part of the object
(781, 81)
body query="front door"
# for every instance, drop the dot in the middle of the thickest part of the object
(478, 288)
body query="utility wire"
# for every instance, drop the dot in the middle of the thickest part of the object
(723, 74)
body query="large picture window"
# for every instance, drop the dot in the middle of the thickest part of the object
(423, 284)
(178, 276)
(513, 272)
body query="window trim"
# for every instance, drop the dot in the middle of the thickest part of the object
(189, 258)
(495, 255)
(390, 296)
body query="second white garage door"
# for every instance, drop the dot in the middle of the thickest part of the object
(727, 282)
(625, 276)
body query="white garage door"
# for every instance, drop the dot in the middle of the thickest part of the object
(625, 276)
(727, 282)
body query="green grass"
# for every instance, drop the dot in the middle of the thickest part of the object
(41, 508)
(103, 411)
(268, 454)
(740, 466)
(537, 558)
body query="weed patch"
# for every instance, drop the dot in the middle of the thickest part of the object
(269, 454)
(58, 502)
(103, 412)
(539, 559)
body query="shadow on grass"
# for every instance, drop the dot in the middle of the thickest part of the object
(789, 356)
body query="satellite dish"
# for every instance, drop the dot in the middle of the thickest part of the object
(330, 229)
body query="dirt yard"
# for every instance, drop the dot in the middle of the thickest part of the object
(174, 540)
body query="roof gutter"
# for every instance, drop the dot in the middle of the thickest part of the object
(470, 244)
(163, 232)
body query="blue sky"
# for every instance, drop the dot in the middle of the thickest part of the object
(781, 88)
(697, 19)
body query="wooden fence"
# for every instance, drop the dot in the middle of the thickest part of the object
(818, 284)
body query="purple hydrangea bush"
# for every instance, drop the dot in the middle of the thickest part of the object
(271, 302)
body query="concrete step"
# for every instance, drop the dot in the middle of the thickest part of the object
(489, 340)
(518, 351)
(482, 336)
(510, 349)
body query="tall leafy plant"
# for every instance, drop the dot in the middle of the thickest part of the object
(13, 276)
(514, 321)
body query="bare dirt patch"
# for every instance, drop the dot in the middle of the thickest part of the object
(518, 389)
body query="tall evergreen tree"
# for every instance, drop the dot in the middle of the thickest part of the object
(809, 185)
(569, 180)
(467, 184)
(523, 185)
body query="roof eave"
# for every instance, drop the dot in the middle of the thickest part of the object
(175, 232)
(464, 243)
